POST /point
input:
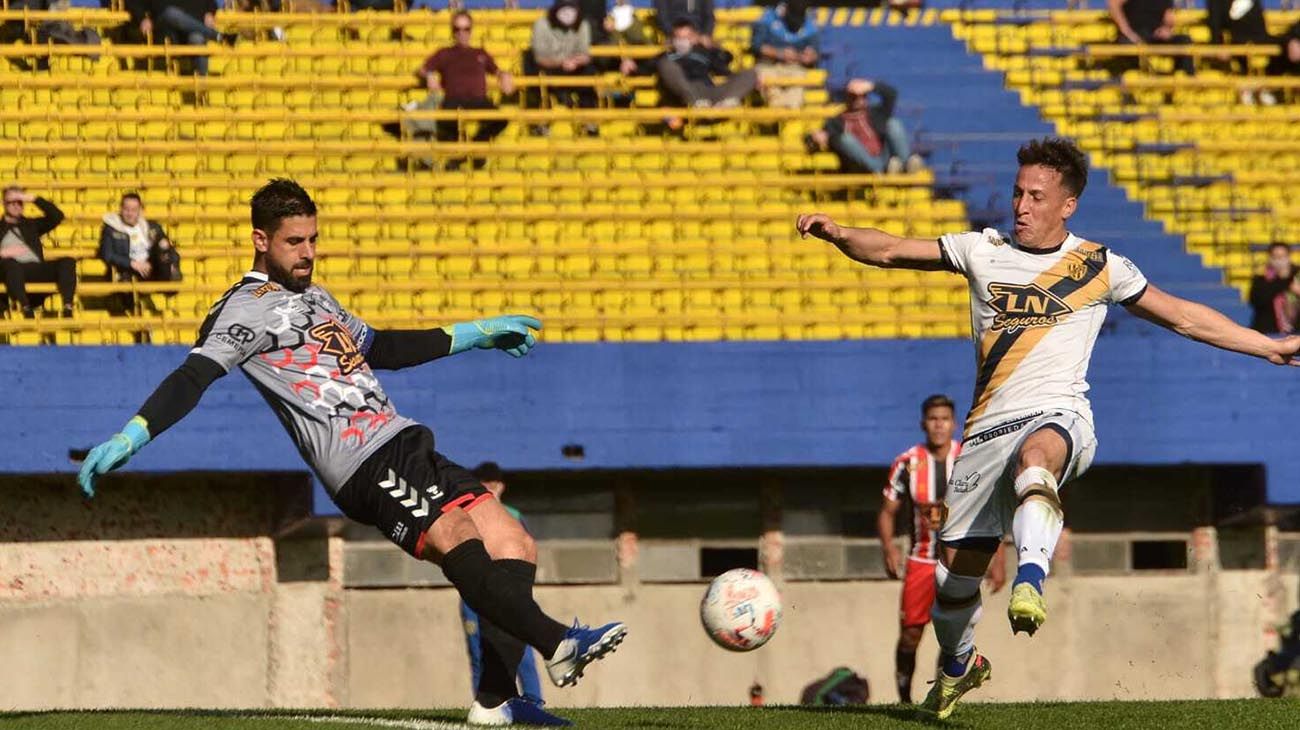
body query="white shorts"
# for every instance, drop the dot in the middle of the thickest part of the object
(981, 497)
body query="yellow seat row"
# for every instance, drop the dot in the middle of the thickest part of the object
(1210, 156)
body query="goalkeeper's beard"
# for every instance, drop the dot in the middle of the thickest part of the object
(288, 279)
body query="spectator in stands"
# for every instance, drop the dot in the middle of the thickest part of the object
(593, 13)
(135, 248)
(561, 46)
(1242, 19)
(1244, 22)
(623, 28)
(686, 71)
(46, 31)
(22, 255)
(137, 22)
(1274, 294)
(867, 137)
(786, 43)
(1149, 22)
(699, 12)
(268, 6)
(456, 77)
(1287, 62)
(357, 5)
(181, 22)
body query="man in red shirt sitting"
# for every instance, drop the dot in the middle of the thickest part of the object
(867, 137)
(456, 77)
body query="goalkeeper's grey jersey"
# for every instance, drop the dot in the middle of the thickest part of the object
(306, 354)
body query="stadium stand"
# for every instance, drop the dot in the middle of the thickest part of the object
(637, 234)
(1197, 152)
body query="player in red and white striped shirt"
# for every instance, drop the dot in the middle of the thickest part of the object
(920, 476)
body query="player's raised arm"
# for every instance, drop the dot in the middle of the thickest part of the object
(171, 401)
(397, 349)
(874, 247)
(1203, 324)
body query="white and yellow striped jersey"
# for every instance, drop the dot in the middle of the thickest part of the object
(1035, 315)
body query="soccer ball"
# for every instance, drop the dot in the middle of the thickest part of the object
(741, 610)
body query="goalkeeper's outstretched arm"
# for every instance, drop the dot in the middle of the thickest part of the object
(873, 247)
(174, 398)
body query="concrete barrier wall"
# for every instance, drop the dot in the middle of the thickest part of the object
(180, 641)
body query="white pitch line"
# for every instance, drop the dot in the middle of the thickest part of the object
(368, 722)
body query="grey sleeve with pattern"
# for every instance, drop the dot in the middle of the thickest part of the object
(234, 330)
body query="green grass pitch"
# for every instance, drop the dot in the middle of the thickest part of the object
(1253, 714)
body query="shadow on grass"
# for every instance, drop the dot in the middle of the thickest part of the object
(900, 714)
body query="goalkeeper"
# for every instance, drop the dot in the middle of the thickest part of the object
(312, 361)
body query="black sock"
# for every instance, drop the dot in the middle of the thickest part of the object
(501, 656)
(501, 591)
(904, 668)
(520, 576)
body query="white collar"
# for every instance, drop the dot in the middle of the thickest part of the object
(257, 275)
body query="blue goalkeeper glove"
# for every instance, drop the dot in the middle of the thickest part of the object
(510, 333)
(113, 453)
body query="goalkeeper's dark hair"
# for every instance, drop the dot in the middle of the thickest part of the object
(1058, 154)
(938, 400)
(279, 199)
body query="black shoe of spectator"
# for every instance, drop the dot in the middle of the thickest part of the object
(393, 128)
(479, 163)
(811, 145)
(67, 311)
(29, 313)
(591, 130)
(228, 38)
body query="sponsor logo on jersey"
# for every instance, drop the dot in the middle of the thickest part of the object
(966, 483)
(336, 340)
(265, 289)
(1021, 306)
(237, 336)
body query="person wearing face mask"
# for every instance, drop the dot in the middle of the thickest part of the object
(867, 137)
(561, 46)
(700, 12)
(1274, 292)
(623, 28)
(686, 72)
(786, 43)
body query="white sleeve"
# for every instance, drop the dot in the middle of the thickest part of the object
(958, 249)
(896, 484)
(1127, 284)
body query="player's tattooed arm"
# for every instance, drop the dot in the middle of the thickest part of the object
(873, 247)
(1203, 324)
